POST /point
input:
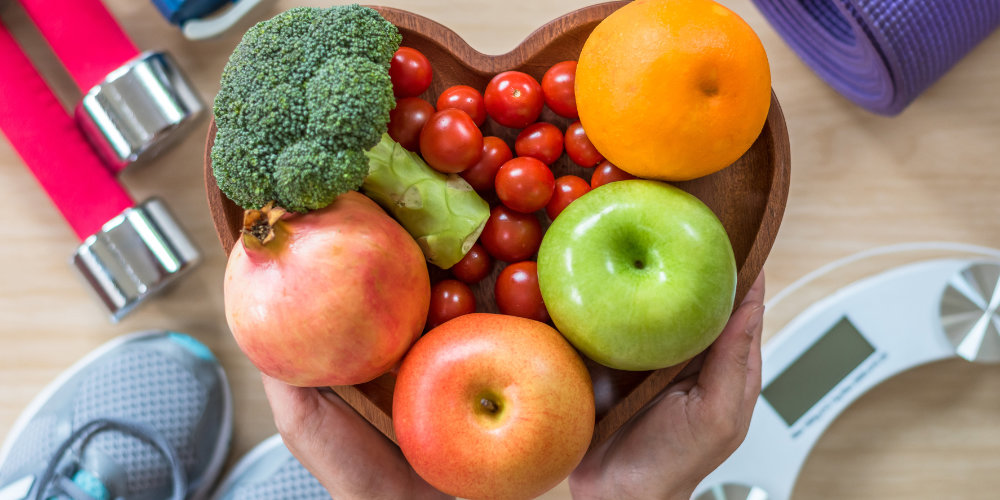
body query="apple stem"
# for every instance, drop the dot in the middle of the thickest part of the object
(488, 405)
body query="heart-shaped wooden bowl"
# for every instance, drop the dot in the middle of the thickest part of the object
(748, 196)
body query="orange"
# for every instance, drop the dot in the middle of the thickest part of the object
(673, 89)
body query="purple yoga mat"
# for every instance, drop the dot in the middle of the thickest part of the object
(882, 54)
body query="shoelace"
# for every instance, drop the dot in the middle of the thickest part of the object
(53, 483)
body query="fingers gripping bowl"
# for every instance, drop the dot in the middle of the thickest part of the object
(748, 197)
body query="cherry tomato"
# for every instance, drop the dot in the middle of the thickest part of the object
(449, 299)
(410, 72)
(475, 266)
(511, 236)
(496, 152)
(465, 98)
(525, 184)
(568, 189)
(513, 99)
(606, 172)
(406, 120)
(542, 141)
(579, 148)
(517, 292)
(450, 142)
(558, 89)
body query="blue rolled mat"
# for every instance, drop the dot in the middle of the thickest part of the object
(882, 54)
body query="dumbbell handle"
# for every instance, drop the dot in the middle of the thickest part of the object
(84, 35)
(134, 104)
(48, 140)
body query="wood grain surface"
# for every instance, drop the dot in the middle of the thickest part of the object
(748, 196)
(859, 181)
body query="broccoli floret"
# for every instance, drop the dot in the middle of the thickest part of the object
(303, 97)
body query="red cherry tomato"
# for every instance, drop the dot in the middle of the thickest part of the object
(406, 120)
(449, 299)
(465, 98)
(568, 189)
(513, 99)
(525, 184)
(410, 72)
(606, 172)
(496, 152)
(579, 148)
(517, 292)
(511, 236)
(558, 88)
(475, 266)
(450, 142)
(542, 141)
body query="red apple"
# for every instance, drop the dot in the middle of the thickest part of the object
(493, 406)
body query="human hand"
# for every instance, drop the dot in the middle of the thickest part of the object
(691, 427)
(348, 456)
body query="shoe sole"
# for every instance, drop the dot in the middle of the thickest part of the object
(225, 436)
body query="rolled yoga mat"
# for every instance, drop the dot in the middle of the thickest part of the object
(882, 54)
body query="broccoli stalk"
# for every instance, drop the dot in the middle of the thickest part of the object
(302, 98)
(442, 212)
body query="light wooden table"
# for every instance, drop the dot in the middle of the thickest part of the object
(858, 181)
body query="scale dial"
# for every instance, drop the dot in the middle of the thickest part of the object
(969, 312)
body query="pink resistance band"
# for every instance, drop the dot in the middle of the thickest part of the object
(54, 149)
(84, 36)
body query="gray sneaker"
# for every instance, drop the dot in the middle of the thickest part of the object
(270, 472)
(147, 416)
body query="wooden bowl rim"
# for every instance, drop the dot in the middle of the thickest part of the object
(492, 63)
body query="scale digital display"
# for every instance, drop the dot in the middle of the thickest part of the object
(818, 370)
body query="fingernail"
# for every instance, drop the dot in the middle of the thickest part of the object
(756, 317)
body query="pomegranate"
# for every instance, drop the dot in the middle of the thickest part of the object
(332, 297)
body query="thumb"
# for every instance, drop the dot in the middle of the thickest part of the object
(292, 408)
(724, 374)
(343, 451)
(727, 364)
(309, 418)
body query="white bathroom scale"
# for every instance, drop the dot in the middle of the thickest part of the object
(847, 343)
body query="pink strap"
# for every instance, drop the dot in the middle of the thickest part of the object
(54, 149)
(84, 36)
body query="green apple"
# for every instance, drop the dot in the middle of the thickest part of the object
(638, 275)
